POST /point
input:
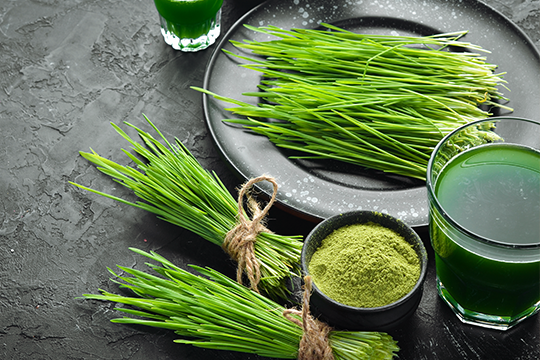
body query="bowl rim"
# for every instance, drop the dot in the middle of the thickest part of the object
(422, 255)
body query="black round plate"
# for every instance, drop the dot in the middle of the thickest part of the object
(319, 189)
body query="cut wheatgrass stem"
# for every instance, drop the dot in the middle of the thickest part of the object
(209, 310)
(380, 84)
(173, 185)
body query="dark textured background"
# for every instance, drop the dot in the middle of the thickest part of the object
(67, 69)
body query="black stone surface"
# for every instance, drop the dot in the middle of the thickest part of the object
(67, 69)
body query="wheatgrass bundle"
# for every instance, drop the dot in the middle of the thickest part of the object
(173, 185)
(381, 102)
(212, 311)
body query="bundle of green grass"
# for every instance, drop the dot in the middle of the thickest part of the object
(172, 184)
(209, 310)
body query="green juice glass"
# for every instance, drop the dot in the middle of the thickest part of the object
(483, 183)
(189, 25)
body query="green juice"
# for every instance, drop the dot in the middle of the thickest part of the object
(188, 19)
(493, 191)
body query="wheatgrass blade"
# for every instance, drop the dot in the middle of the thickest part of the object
(209, 310)
(173, 185)
(396, 95)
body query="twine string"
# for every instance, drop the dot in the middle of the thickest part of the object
(314, 343)
(239, 242)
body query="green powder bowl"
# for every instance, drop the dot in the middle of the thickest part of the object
(382, 316)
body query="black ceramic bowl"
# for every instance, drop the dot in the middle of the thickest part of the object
(354, 318)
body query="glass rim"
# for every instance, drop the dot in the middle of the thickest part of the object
(444, 214)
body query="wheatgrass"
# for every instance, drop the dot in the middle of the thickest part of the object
(380, 102)
(173, 185)
(209, 310)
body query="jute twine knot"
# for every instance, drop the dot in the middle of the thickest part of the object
(314, 343)
(239, 242)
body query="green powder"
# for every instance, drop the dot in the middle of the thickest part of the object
(365, 265)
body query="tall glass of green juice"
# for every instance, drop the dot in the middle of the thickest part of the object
(189, 25)
(483, 184)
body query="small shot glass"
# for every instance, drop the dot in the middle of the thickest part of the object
(190, 25)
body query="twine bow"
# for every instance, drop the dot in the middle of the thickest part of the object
(314, 343)
(239, 242)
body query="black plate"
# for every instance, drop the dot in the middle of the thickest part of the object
(318, 190)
